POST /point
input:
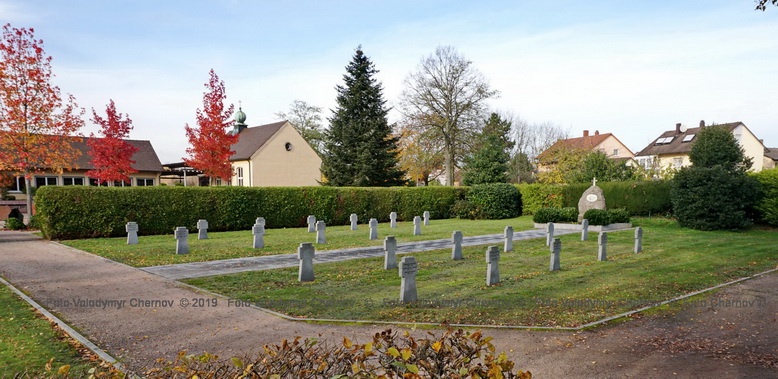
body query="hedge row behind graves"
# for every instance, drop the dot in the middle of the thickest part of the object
(648, 198)
(69, 212)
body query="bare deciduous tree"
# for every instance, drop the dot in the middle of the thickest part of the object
(446, 97)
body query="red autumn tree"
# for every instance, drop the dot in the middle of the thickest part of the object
(111, 154)
(210, 141)
(34, 121)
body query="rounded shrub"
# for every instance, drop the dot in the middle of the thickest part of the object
(464, 209)
(496, 200)
(545, 215)
(767, 205)
(607, 216)
(14, 223)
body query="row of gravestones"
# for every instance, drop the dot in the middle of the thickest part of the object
(408, 267)
(181, 233)
(602, 239)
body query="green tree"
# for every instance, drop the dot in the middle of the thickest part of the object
(597, 165)
(489, 161)
(360, 149)
(306, 119)
(715, 192)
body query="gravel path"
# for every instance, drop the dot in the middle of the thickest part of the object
(689, 342)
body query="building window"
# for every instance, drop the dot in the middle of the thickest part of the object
(119, 183)
(288, 146)
(72, 181)
(678, 162)
(96, 182)
(18, 185)
(141, 182)
(615, 152)
(41, 181)
(239, 175)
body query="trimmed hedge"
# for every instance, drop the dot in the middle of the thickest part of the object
(536, 196)
(767, 205)
(68, 212)
(495, 200)
(645, 198)
(606, 216)
(546, 215)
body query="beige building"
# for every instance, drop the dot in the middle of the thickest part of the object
(671, 149)
(606, 142)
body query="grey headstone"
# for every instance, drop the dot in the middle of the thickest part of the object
(320, 229)
(311, 224)
(549, 233)
(557, 249)
(585, 230)
(132, 233)
(258, 231)
(508, 246)
(493, 265)
(592, 198)
(353, 218)
(182, 243)
(373, 229)
(638, 240)
(390, 251)
(456, 248)
(393, 220)
(408, 270)
(260, 221)
(416, 226)
(602, 246)
(305, 254)
(426, 217)
(202, 229)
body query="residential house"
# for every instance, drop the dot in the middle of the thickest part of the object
(671, 149)
(605, 142)
(146, 162)
(770, 158)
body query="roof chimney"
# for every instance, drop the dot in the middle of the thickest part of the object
(596, 132)
(702, 123)
(678, 128)
(586, 133)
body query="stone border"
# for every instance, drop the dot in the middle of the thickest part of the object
(68, 330)
(592, 228)
(527, 327)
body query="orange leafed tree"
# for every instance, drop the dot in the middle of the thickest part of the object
(210, 141)
(111, 154)
(35, 122)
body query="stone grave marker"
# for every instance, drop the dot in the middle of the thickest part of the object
(456, 248)
(585, 230)
(416, 226)
(182, 243)
(202, 229)
(258, 230)
(426, 217)
(260, 221)
(320, 227)
(373, 229)
(393, 220)
(408, 270)
(132, 233)
(305, 254)
(557, 249)
(549, 233)
(311, 224)
(508, 246)
(493, 265)
(602, 247)
(353, 218)
(390, 253)
(638, 240)
(592, 198)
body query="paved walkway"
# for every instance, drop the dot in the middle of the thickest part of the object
(231, 266)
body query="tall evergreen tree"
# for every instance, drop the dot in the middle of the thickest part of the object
(360, 148)
(488, 163)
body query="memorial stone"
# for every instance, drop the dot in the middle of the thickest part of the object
(258, 230)
(353, 218)
(320, 227)
(182, 243)
(408, 270)
(390, 253)
(202, 229)
(311, 224)
(508, 246)
(305, 254)
(373, 229)
(416, 226)
(456, 248)
(426, 217)
(132, 233)
(557, 249)
(393, 220)
(592, 198)
(492, 267)
(638, 240)
(602, 247)
(585, 230)
(260, 221)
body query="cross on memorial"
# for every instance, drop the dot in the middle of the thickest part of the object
(202, 229)
(132, 233)
(258, 230)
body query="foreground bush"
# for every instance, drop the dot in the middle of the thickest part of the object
(456, 354)
(82, 212)
(495, 200)
(14, 223)
(546, 215)
(767, 205)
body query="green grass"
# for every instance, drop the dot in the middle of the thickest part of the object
(29, 341)
(675, 261)
(160, 249)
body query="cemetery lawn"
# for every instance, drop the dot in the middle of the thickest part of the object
(161, 249)
(675, 261)
(30, 341)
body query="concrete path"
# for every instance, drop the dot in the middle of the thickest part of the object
(231, 266)
(156, 322)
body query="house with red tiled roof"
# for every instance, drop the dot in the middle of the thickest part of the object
(605, 142)
(671, 149)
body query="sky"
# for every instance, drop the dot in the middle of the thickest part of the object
(632, 68)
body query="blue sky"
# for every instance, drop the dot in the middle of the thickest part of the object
(633, 68)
